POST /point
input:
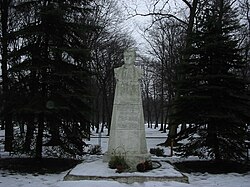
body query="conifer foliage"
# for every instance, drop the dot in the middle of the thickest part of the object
(212, 95)
(49, 72)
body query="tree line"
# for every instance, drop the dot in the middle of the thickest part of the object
(57, 61)
(57, 81)
(197, 80)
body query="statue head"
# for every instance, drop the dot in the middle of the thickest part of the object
(129, 56)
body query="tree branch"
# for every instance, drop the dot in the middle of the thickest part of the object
(161, 14)
(187, 3)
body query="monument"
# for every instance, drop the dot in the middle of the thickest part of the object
(127, 133)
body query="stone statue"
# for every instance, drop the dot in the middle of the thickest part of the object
(127, 77)
(127, 133)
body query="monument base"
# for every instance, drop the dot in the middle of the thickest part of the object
(96, 169)
(132, 160)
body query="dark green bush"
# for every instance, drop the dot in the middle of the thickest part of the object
(157, 151)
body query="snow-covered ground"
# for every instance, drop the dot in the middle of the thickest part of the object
(8, 179)
(56, 180)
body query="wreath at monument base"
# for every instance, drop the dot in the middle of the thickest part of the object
(119, 163)
(148, 165)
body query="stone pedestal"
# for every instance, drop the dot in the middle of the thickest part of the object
(127, 133)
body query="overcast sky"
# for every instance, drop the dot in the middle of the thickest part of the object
(136, 23)
(139, 23)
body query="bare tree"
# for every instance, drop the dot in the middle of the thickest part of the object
(161, 10)
(147, 95)
(165, 40)
(109, 45)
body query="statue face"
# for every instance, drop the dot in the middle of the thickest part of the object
(129, 57)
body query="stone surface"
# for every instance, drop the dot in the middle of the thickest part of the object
(95, 169)
(127, 133)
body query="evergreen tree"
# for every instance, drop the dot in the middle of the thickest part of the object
(52, 89)
(211, 93)
(5, 17)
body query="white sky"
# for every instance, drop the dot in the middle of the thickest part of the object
(137, 24)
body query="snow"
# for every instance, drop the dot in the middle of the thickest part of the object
(56, 180)
(100, 168)
(10, 179)
(117, 184)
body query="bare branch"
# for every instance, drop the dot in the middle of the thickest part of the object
(187, 3)
(162, 6)
(165, 15)
(155, 4)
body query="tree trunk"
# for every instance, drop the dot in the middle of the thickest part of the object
(9, 135)
(54, 123)
(183, 127)
(151, 123)
(156, 122)
(7, 121)
(97, 125)
(162, 97)
(2, 125)
(193, 8)
(39, 140)
(103, 109)
(109, 114)
(21, 125)
(165, 123)
(155, 109)
(97, 112)
(29, 135)
(212, 139)
(147, 106)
